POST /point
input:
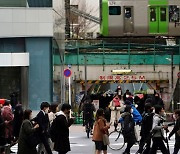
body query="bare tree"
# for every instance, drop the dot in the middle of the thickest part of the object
(80, 25)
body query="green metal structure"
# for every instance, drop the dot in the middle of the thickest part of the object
(128, 52)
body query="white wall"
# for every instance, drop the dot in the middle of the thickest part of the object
(14, 59)
(26, 22)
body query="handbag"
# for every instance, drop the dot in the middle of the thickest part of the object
(106, 139)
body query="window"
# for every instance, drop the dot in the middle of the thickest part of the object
(163, 14)
(152, 14)
(114, 10)
(174, 12)
(127, 13)
(12, 3)
(39, 3)
(24, 3)
(90, 35)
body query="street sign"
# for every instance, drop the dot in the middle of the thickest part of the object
(67, 72)
(178, 75)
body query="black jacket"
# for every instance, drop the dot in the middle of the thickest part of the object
(128, 128)
(175, 129)
(60, 128)
(43, 121)
(146, 125)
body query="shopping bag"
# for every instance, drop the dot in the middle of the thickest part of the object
(137, 132)
(106, 139)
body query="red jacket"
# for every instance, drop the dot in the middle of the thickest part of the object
(8, 117)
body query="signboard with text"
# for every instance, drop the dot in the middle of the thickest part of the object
(122, 77)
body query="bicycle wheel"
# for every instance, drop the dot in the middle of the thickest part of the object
(116, 140)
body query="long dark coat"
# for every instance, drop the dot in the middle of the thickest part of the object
(128, 128)
(25, 131)
(60, 127)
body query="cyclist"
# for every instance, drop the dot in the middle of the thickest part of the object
(88, 109)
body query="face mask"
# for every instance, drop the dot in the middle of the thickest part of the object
(156, 97)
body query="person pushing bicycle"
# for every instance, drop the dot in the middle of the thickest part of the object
(88, 113)
(115, 106)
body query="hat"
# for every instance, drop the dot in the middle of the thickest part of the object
(2, 101)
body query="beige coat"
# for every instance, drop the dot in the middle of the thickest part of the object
(115, 112)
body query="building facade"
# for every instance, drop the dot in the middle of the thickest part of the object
(26, 51)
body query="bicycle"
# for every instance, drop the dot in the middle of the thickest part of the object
(116, 137)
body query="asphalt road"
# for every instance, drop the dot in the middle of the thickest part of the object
(80, 144)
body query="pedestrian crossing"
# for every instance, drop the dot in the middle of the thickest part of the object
(78, 145)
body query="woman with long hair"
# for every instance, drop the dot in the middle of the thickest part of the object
(100, 128)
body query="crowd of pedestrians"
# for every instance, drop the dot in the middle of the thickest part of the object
(146, 113)
(49, 129)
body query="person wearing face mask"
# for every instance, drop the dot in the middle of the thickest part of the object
(60, 130)
(158, 131)
(43, 120)
(176, 131)
(158, 100)
(128, 125)
(115, 106)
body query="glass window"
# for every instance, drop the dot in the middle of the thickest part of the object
(114, 10)
(39, 3)
(127, 12)
(163, 14)
(12, 3)
(152, 14)
(174, 12)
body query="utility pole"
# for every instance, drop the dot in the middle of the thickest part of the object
(67, 15)
(85, 71)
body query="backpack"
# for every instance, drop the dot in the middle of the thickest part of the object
(128, 124)
(88, 109)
